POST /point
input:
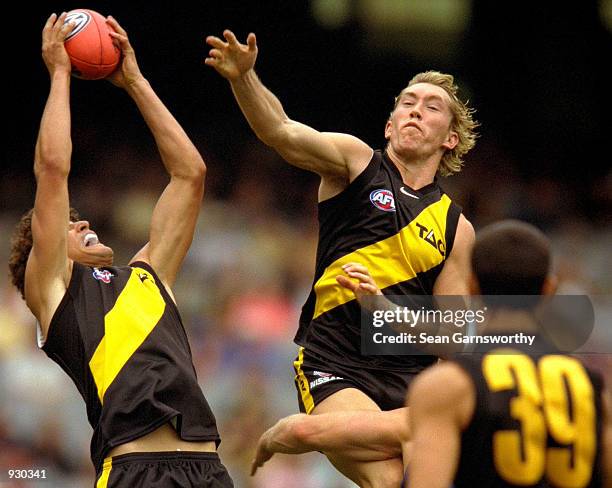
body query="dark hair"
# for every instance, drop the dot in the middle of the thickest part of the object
(511, 258)
(21, 245)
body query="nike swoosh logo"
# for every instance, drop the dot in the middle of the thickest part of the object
(409, 194)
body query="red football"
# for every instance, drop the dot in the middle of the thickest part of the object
(90, 46)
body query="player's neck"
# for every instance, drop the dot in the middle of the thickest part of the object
(509, 320)
(415, 173)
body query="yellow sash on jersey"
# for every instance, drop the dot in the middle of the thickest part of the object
(135, 314)
(393, 260)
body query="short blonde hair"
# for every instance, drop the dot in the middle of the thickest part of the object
(462, 122)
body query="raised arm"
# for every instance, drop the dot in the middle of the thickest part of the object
(47, 271)
(331, 155)
(176, 212)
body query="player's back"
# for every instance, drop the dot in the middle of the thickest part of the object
(537, 422)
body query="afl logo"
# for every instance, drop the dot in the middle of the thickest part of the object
(102, 275)
(383, 200)
(80, 19)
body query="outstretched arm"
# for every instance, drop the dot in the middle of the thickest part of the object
(47, 272)
(331, 155)
(175, 214)
(363, 435)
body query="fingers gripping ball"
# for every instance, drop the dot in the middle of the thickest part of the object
(89, 45)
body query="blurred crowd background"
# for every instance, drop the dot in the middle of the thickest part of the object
(535, 72)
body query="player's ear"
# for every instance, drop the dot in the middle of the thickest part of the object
(549, 287)
(451, 141)
(388, 128)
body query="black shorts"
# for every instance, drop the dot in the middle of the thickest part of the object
(316, 378)
(164, 470)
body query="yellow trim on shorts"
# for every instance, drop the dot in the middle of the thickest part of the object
(106, 469)
(302, 382)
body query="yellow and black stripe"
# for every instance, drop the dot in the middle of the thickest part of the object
(107, 466)
(164, 469)
(302, 383)
(393, 260)
(137, 310)
(537, 421)
(119, 336)
(404, 246)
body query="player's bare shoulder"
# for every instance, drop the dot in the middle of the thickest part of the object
(465, 233)
(356, 153)
(446, 385)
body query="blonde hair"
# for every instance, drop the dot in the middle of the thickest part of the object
(462, 121)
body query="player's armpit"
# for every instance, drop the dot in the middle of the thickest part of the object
(172, 227)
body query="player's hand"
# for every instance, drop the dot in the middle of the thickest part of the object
(128, 72)
(54, 52)
(231, 58)
(263, 452)
(357, 279)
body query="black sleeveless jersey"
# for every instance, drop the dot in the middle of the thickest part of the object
(402, 235)
(119, 336)
(537, 422)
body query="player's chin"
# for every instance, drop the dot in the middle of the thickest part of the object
(98, 255)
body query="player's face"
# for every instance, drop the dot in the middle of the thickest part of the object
(84, 246)
(420, 124)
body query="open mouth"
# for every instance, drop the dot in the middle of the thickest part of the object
(90, 239)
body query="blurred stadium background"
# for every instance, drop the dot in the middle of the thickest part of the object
(535, 72)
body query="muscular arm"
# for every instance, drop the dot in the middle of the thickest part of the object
(362, 435)
(337, 158)
(441, 401)
(175, 214)
(47, 272)
(327, 154)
